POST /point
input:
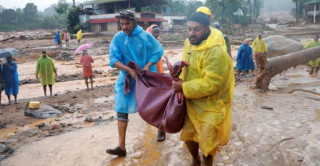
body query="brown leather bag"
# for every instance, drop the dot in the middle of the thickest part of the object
(157, 103)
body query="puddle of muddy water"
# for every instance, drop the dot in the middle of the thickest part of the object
(313, 88)
(5, 133)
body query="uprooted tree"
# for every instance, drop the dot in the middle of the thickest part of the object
(279, 64)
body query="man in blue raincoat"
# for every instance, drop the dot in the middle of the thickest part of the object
(11, 80)
(130, 44)
(57, 39)
(1, 82)
(245, 59)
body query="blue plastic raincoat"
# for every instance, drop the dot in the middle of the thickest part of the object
(140, 47)
(245, 58)
(11, 79)
(57, 37)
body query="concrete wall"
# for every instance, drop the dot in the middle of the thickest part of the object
(94, 28)
(112, 27)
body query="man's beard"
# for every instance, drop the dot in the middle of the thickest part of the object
(202, 38)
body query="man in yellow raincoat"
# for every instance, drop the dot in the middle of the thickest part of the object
(314, 63)
(216, 27)
(79, 36)
(208, 85)
(47, 71)
(259, 48)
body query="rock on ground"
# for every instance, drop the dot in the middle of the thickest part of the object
(43, 112)
(279, 45)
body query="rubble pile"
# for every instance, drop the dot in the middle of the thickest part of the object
(65, 56)
(281, 18)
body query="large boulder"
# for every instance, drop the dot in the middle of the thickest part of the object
(279, 45)
(43, 112)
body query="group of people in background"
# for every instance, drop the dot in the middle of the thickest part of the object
(45, 72)
(247, 55)
(65, 35)
(258, 53)
(9, 77)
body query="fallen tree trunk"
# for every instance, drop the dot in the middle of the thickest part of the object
(8, 38)
(279, 64)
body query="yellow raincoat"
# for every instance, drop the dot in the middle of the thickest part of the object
(315, 62)
(79, 35)
(208, 87)
(259, 46)
(45, 68)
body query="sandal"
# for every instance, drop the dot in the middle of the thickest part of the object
(161, 136)
(117, 151)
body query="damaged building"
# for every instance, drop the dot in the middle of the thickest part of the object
(312, 11)
(101, 13)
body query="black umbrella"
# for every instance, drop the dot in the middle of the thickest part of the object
(8, 52)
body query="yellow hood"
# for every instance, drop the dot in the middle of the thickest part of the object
(215, 39)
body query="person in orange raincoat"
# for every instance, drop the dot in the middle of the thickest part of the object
(86, 61)
(155, 31)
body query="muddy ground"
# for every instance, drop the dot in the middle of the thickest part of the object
(278, 127)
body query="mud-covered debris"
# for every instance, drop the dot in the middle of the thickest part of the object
(97, 71)
(2, 157)
(41, 125)
(43, 112)
(63, 124)
(266, 107)
(2, 148)
(114, 72)
(89, 119)
(3, 125)
(65, 56)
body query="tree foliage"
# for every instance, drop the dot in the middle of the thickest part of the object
(235, 11)
(30, 12)
(9, 16)
(175, 7)
(29, 18)
(50, 11)
(73, 20)
(62, 7)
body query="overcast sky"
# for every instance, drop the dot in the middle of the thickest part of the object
(41, 4)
